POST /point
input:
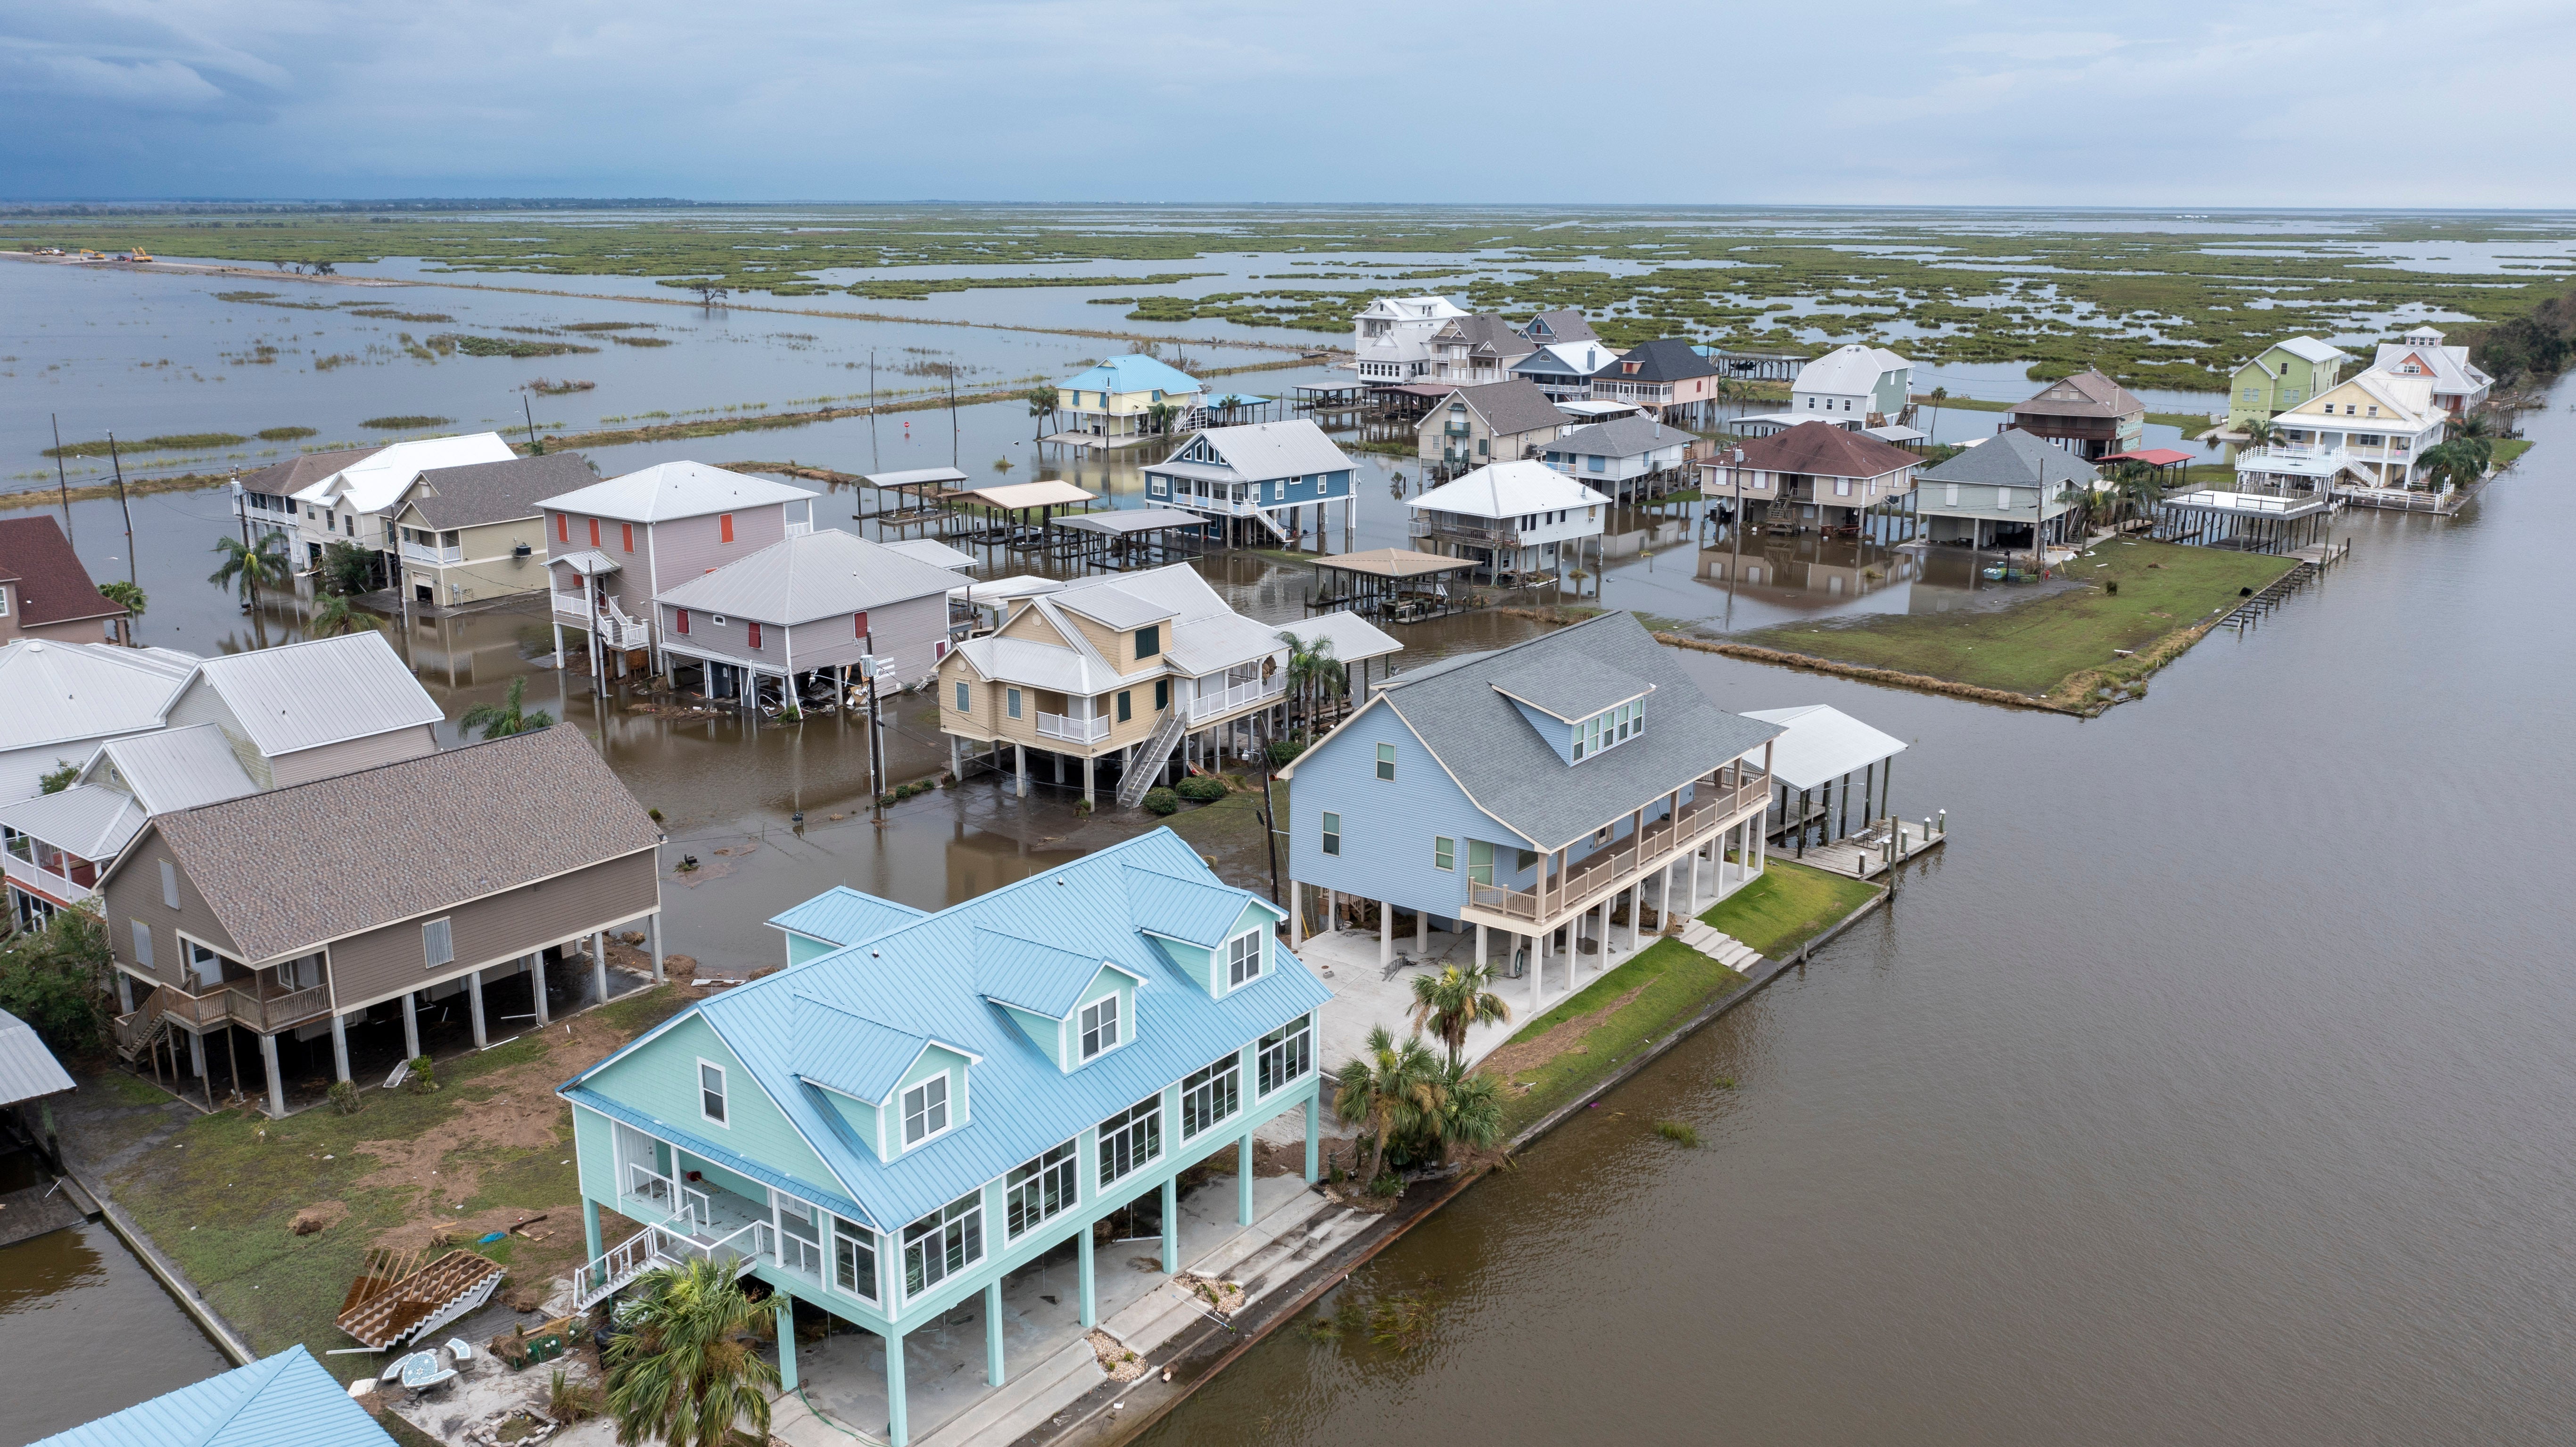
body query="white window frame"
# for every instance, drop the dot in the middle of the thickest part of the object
(143, 944)
(1041, 1170)
(1145, 1115)
(968, 1219)
(1236, 975)
(1011, 698)
(1085, 1028)
(188, 947)
(945, 1105)
(859, 1239)
(1295, 1039)
(723, 1093)
(965, 699)
(1386, 763)
(1444, 853)
(1332, 834)
(169, 884)
(1203, 1088)
(781, 1212)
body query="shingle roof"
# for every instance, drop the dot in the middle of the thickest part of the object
(1563, 325)
(64, 691)
(284, 870)
(497, 492)
(1820, 449)
(1632, 436)
(1507, 489)
(1484, 335)
(1134, 372)
(287, 1400)
(1574, 689)
(674, 490)
(286, 478)
(1517, 777)
(2012, 458)
(53, 587)
(320, 691)
(1665, 359)
(823, 574)
(922, 982)
(27, 1068)
(2085, 394)
(1508, 407)
(843, 916)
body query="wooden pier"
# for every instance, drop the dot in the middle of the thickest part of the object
(2312, 561)
(1865, 855)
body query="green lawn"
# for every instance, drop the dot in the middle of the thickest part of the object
(2507, 449)
(2044, 641)
(1677, 980)
(1787, 904)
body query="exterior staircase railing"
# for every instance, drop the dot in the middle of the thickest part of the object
(1156, 752)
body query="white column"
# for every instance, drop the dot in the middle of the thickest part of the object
(537, 985)
(653, 942)
(1538, 970)
(1385, 933)
(1422, 932)
(1332, 911)
(340, 1043)
(276, 1085)
(1480, 944)
(474, 998)
(1296, 914)
(558, 632)
(1020, 767)
(124, 992)
(599, 964)
(411, 1025)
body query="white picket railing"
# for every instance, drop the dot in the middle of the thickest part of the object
(1242, 695)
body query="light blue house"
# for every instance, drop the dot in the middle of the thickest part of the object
(1115, 399)
(890, 1128)
(1264, 471)
(1533, 790)
(837, 918)
(287, 1400)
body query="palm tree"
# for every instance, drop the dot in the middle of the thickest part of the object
(2261, 432)
(2480, 424)
(132, 600)
(1159, 416)
(501, 720)
(252, 568)
(1041, 402)
(1938, 395)
(1391, 1087)
(1455, 999)
(688, 1368)
(334, 615)
(2456, 463)
(1313, 673)
(1471, 1110)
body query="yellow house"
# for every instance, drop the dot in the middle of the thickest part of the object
(2373, 428)
(1116, 398)
(475, 532)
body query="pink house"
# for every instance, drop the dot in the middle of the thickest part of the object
(612, 546)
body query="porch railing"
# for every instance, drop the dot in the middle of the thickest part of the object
(414, 552)
(1242, 695)
(1656, 845)
(267, 1013)
(1072, 729)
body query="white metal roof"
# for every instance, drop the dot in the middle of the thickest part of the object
(1040, 665)
(1264, 450)
(1352, 636)
(1822, 743)
(822, 574)
(931, 551)
(2450, 372)
(2309, 349)
(27, 1068)
(173, 769)
(377, 481)
(2406, 404)
(1507, 489)
(1021, 585)
(92, 821)
(63, 691)
(674, 490)
(321, 691)
(1848, 370)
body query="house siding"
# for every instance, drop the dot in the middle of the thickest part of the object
(1387, 827)
(660, 1078)
(199, 703)
(683, 548)
(134, 892)
(350, 755)
(386, 961)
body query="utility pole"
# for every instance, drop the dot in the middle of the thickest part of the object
(1270, 837)
(119, 464)
(62, 478)
(868, 671)
(952, 415)
(531, 414)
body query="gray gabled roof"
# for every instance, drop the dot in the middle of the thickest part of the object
(2012, 458)
(1632, 436)
(27, 1068)
(822, 574)
(1481, 737)
(1508, 407)
(496, 492)
(320, 691)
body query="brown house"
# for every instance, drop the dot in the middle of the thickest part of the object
(2087, 414)
(44, 590)
(304, 911)
(1817, 471)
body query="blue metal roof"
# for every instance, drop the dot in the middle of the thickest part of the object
(1190, 910)
(287, 1400)
(843, 916)
(849, 1052)
(926, 976)
(1134, 372)
(1031, 975)
(818, 1193)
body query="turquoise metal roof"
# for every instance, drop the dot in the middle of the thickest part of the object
(849, 1052)
(1033, 976)
(843, 916)
(925, 976)
(287, 1400)
(819, 1193)
(1190, 910)
(1134, 372)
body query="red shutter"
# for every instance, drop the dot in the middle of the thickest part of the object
(684, 623)
(563, 527)
(626, 534)
(755, 635)
(594, 532)
(724, 521)
(861, 619)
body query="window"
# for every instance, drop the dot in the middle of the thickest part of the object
(1131, 1138)
(1594, 462)
(1444, 853)
(594, 532)
(1286, 1054)
(1243, 958)
(854, 1259)
(925, 1110)
(1332, 834)
(169, 884)
(942, 1243)
(626, 535)
(1013, 699)
(204, 964)
(1099, 1025)
(1149, 640)
(1038, 1192)
(563, 527)
(965, 701)
(1126, 704)
(724, 527)
(800, 1241)
(437, 944)
(1211, 1094)
(711, 1092)
(1386, 761)
(682, 622)
(1480, 862)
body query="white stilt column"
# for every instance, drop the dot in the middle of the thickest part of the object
(474, 998)
(340, 1044)
(411, 1025)
(276, 1083)
(1296, 914)
(1480, 944)
(1385, 934)
(1020, 767)
(599, 964)
(537, 985)
(653, 942)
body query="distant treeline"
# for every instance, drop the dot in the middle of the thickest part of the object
(344, 208)
(2539, 343)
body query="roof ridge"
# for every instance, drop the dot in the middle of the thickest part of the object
(432, 756)
(273, 1366)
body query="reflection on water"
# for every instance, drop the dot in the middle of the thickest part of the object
(84, 1331)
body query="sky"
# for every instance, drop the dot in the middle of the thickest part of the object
(1933, 102)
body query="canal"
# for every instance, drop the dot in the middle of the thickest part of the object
(2215, 1086)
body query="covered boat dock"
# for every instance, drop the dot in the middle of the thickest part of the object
(1397, 585)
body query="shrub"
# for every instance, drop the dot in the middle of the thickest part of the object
(2111, 586)
(55, 980)
(423, 1079)
(1199, 788)
(1162, 801)
(1283, 750)
(1680, 1133)
(344, 1094)
(1387, 1185)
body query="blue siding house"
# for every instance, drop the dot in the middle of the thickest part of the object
(837, 918)
(889, 1128)
(1264, 472)
(1533, 790)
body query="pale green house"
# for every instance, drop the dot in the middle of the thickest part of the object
(2280, 377)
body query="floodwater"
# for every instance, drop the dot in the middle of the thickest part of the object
(2213, 1085)
(84, 1331)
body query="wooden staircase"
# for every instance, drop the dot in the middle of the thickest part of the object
(1156, 752)
(396, 1298)
(143, 1028)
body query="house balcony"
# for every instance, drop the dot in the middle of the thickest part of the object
(1612, 867)
(615, 628)
(2298, 461)
(1492, 534)
(434, 557)
(249, 1003)
(1209, 707)
(1073, 728)
(798, 530)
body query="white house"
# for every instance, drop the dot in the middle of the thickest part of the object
(2457, 386)
(356, 503)
(1510, 517)
(2370, 430)
(1393, 337)
(1564, 370)
(1474, 350)
(1853, 381)
(1610, 455)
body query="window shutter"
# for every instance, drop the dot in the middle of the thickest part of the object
(594, 532)
(563, 527)
(626, 535)
(142, 943)
(724, 524)
(859, 625)
(169, 884)
(437, 944)
(682, 622)
(755, 634)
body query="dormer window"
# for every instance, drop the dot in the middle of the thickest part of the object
(1609, 729)
(1243, 959)
(1099, 1026)
(925, 1110)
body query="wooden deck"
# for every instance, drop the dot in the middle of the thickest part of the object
(1864, 855)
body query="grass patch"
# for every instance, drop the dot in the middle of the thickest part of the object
(641, 341)
(404, 423)
(2507, 449)
(1606, 1022)
(176, 442)
(1787, 904)
(444, 343)
(284, 434)
(2034, 646)
(1679, 1132)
